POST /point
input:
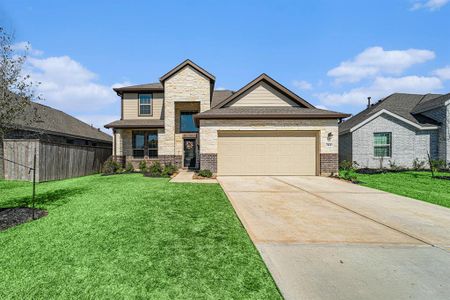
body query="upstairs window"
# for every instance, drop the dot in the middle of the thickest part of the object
(145, 104)
(382, 142)
(187, 123)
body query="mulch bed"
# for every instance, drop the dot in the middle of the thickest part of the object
(10, 217)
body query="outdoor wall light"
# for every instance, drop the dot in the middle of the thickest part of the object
(330, 136)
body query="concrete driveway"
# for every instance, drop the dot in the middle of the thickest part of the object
(323, 238)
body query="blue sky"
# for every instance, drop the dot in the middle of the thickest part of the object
(332, 53)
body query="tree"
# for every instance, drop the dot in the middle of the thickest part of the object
(17, 90)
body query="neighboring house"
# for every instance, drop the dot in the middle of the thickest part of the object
(261, 129)
(398, 129)
(66, 147)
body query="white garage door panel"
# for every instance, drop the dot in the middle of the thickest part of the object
(267, 153)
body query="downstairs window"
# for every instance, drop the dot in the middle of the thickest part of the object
(145, 143)
(382, 144)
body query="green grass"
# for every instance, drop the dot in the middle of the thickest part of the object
(129, 236)
(417, 185)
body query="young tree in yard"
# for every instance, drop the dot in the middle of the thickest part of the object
(17, 91)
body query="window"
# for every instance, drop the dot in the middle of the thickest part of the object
(152, 144)
(382, 144)
(145, 143)
(138, 144)
(187, 123)
(145, 104)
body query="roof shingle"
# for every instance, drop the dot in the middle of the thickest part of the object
(401, 104)
(54, 121)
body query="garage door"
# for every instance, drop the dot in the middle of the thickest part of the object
(267, 153)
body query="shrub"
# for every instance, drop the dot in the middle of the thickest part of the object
(348, 170)
(169, 169)
(129, 168)
(418, 164)
(143, 166)
(438, 165)
(110, 166)
(393, 166)
(205, 173)
(347, 165)
(155, 169)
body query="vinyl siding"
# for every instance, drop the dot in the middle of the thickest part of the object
(263, 95)
(131, 111)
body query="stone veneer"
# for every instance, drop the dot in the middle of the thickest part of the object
(187, 85)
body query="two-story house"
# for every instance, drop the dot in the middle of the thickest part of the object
(261, 129)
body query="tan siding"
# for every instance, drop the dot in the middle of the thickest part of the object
(263, 95)
(130, 106)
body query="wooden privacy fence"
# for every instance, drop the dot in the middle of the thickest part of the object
(54, 161)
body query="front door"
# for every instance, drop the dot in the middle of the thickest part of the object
(189, 153)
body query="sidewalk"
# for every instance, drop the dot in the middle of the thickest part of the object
(186, 176)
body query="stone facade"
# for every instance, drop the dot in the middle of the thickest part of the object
(327, 128)
(408, 143)
(188, 86)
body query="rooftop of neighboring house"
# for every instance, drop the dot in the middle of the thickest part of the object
(42, 118)
(410, 107)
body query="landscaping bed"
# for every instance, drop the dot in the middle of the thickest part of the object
(14, 216)
(129, 236)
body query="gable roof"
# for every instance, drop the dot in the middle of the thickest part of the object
(150, 87)
(53, 121)
(265, 78)
(185, 63)
(400, 105)
(431, 104)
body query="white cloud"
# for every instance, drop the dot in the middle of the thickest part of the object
(68, 85)
(376, 61)
(302, 84)
(429, 4)
(25, 46)
(381, 87)
(443, 73)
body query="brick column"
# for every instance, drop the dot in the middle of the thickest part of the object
(329, 163)
(208, 161)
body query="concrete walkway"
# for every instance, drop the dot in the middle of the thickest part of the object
(186, 177)
(323, 238)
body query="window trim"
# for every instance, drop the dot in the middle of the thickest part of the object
(139, 105)
(146, 148)
(389, 145)
(193, 112)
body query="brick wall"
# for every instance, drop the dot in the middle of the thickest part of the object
(329, 163)
(208, 161)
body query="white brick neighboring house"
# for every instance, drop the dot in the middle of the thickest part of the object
(398, 129)
(261, 129)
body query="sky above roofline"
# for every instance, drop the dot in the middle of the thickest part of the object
(334, 54)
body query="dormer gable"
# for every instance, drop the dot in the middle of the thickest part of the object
(264, 91)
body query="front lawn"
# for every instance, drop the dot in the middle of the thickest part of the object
(417, 185)
(128, 236)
